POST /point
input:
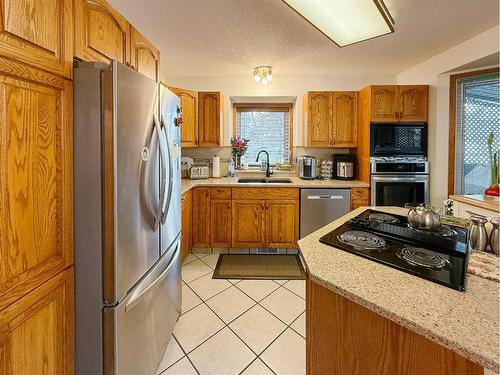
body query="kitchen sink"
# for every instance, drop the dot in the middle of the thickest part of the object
(264, 181)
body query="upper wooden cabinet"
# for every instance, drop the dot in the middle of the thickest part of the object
(189, 126)
(36, 332)
(331, 118)
(36, 178)
(145, 57)
(209, 119)
(413, 103)
(384, 103)
(345, 118)
(38, 33)
(319, 119)
(101, 33)
(399, 103)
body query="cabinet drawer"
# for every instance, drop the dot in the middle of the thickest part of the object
(265, 193)
(220, 193)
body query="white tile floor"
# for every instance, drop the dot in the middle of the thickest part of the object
(231, 327)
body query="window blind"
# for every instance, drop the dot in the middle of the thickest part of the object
(267, 129)
(477, 115)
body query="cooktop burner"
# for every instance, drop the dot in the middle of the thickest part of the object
(382, 217)
(362, 240)
(418, 256)
(444, 230)
(439, 256)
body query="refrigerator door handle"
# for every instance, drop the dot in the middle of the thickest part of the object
(142, 290)
(163, 161)
(170, 175)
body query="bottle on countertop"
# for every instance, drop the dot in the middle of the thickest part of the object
(494, 237)
(231, 171)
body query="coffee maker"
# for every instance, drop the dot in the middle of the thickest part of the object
(307, 167)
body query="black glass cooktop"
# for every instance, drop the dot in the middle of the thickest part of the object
(388, 239)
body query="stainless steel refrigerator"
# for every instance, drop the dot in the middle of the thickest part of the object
(127, 219)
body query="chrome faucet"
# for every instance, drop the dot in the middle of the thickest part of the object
(268, 171)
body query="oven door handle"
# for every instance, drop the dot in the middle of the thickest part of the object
(418, 178)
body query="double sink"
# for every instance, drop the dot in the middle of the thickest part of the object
(264, 181)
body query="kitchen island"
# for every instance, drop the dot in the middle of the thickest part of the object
(367, 318)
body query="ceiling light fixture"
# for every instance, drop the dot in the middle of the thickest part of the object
(263, 74)
(346, 22)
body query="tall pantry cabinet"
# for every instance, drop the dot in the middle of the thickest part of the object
(36, 240)
(38, 40)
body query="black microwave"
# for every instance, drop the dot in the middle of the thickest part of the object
(398, 139)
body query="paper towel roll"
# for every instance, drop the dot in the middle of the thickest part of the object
(216, 167)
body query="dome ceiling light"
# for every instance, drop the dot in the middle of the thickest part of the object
(263, 74)
(346, 22)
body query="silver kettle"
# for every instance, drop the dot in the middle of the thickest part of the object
(424, 217)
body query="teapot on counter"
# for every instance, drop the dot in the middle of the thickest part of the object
(424, 217)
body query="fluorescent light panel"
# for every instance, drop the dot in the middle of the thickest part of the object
(346, 21)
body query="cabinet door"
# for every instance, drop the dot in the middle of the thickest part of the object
(36, 214)
(209, 119)
(189, 126)
(413, 103)
(248, 223)
(201, 217)
(220, 223)
(186, 207)
(36, 332)
(360, 197)
(282, 225)
(38, 33)
(319, 126)
(145, 57)
(101, 33)
(384, 103)
(345, 118)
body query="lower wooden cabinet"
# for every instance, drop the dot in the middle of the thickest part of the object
(265, 217)
(220, 223)
(36, 332)
(186, 216)
(282, 223)
(248, 223)
(201, 217)
(360, 197)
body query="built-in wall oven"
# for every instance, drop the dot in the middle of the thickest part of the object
(396, 181)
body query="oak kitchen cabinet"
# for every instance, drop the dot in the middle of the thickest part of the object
(36, 332)
(101, 33)
(201, 116)
(145, 57)
(201, 217)
(209, 119)
(189, 126)
(186, 216)
(265, 217)
(399, 103)
(36, 178)
(45, 44)
(360, 197)
(220, 217)
(331, 118)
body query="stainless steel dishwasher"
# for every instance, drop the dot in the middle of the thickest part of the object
(319, 207)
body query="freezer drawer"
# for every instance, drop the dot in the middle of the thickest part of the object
(137, 331)
(319, 207)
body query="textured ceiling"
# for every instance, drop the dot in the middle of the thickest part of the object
(230, 37)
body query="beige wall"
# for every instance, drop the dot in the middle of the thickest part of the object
(290, 87)
(436, 72)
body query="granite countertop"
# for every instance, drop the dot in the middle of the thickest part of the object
(483, 201)
(465, 322)
(296, 182)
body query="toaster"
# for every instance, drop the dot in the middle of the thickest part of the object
(199, 172)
